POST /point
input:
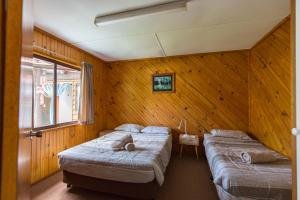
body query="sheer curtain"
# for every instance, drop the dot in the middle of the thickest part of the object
(48, 92)
(86, 107)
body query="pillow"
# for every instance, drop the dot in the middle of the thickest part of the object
(157, 129)
(230, 134)
(134, 128)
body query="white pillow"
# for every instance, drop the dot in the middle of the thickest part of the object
(157, 129)
(230, 134)
(134, 128)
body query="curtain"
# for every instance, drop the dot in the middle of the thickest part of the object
(48, 92)
(86, 106)
(61, 88)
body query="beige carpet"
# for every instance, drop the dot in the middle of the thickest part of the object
(186, 179)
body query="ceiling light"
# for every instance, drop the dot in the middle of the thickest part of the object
(129, 14)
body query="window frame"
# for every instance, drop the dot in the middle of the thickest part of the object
(55, 125)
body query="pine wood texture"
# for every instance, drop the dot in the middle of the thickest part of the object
(211, 91)
(10, 131)
(270, 90)
(2, 49)
(45, 149)
(294, 76)
(52, 47)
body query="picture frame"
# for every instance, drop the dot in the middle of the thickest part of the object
(163, 82)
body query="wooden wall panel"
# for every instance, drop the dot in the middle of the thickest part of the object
(211, 91)
(48, 45)
(270, 90)
(45, 149)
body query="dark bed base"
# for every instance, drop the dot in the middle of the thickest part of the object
(132, 190)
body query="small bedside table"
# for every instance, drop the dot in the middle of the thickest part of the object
(104, 132)
(186, 139)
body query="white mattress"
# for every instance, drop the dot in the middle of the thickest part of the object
(96, 159)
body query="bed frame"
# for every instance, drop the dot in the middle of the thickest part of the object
(132, 190)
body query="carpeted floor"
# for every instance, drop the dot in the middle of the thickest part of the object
(186, 179)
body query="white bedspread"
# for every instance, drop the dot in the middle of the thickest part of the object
(96, 159)
(239, 180)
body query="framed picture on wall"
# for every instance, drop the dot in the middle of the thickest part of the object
(163, 82)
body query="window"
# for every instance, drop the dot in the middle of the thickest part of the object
(56, 93)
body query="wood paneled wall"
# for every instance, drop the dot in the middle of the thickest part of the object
(211, 91)
(270, 90)
(45, 149)
(52, 47)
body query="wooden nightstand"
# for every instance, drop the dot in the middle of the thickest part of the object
(192, 140)
(104, 132)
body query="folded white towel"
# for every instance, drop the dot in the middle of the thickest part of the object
(258, 157)
(130, 147)
(120, 143)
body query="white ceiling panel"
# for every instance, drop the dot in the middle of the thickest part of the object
(73, 21)
(133, 47)
(233, 36)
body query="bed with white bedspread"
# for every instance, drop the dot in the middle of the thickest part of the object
(96, 159)
(235, 179)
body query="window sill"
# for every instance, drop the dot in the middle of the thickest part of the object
(58, 126)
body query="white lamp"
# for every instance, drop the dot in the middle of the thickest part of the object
(179, 127)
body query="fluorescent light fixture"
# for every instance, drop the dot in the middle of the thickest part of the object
(129, 14)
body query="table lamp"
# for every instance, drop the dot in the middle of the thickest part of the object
(180, 124)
